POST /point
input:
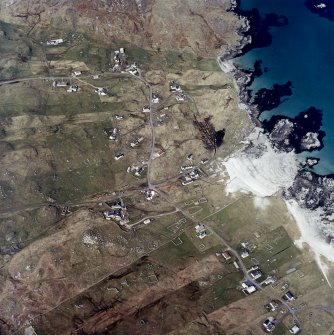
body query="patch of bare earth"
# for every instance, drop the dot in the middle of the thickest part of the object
(139, 303)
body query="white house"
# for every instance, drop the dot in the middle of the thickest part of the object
(294, 329)
(73, 88)
(202, 234)
(76, 73)
(186, 167)
(244, 254)
(194, 174)
(175, 87)
(101, 91)
(204, 161)
(273, 305)
(269, 324)
(113, 134)
(61, 83)
(55, 41)
(133, 70)
(288, 296)
(179, 97)
(117, 57)
(155, 98)
(190, 157)
(200, 230)
(255, 274)
(150, 194)
(138, 171)
(136, 142)
(119, 156)
(269, 280)
(248, 287)
(187, 180)
(199, 227)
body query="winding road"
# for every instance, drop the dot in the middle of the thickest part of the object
(150, 185)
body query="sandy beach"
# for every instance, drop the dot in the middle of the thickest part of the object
(261, 170)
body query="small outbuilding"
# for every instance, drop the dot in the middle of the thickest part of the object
(175, 87)
(186, 181)
(101, 91)
(55, 41)
(295, 329)
(288, 296)
(180, 97)
(255, 274)
(202, 234)
(244, 254)
(226, 255)
(119, 156)
(273, 305)
(76, 73)
(73, 88)
(155, 98)
(269, 324)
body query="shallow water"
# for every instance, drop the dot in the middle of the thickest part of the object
(303, 52)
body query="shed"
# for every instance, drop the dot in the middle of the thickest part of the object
(295, 329)
(226, 255)
(289, 296)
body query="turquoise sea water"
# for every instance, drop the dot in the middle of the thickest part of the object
(303, 52)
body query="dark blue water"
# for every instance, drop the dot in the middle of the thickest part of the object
(303, 52)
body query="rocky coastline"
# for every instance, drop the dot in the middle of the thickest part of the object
(309, 190)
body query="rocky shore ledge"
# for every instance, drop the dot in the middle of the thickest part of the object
(309, 191)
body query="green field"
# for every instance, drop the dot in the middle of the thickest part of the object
(172, 255)
(223, 292)
(280, 330)
(274, 249)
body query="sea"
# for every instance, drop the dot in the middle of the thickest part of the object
(301, 51)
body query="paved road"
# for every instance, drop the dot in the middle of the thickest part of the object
(149, 163)
(153, 216)
(243, 268)
(20, 80)
(53, 78)
(150, 185)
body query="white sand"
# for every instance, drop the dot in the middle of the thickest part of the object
(310, 227)
(269, 172)
(263, 176)
(266, 174)
(226, 66)
(261, 203)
